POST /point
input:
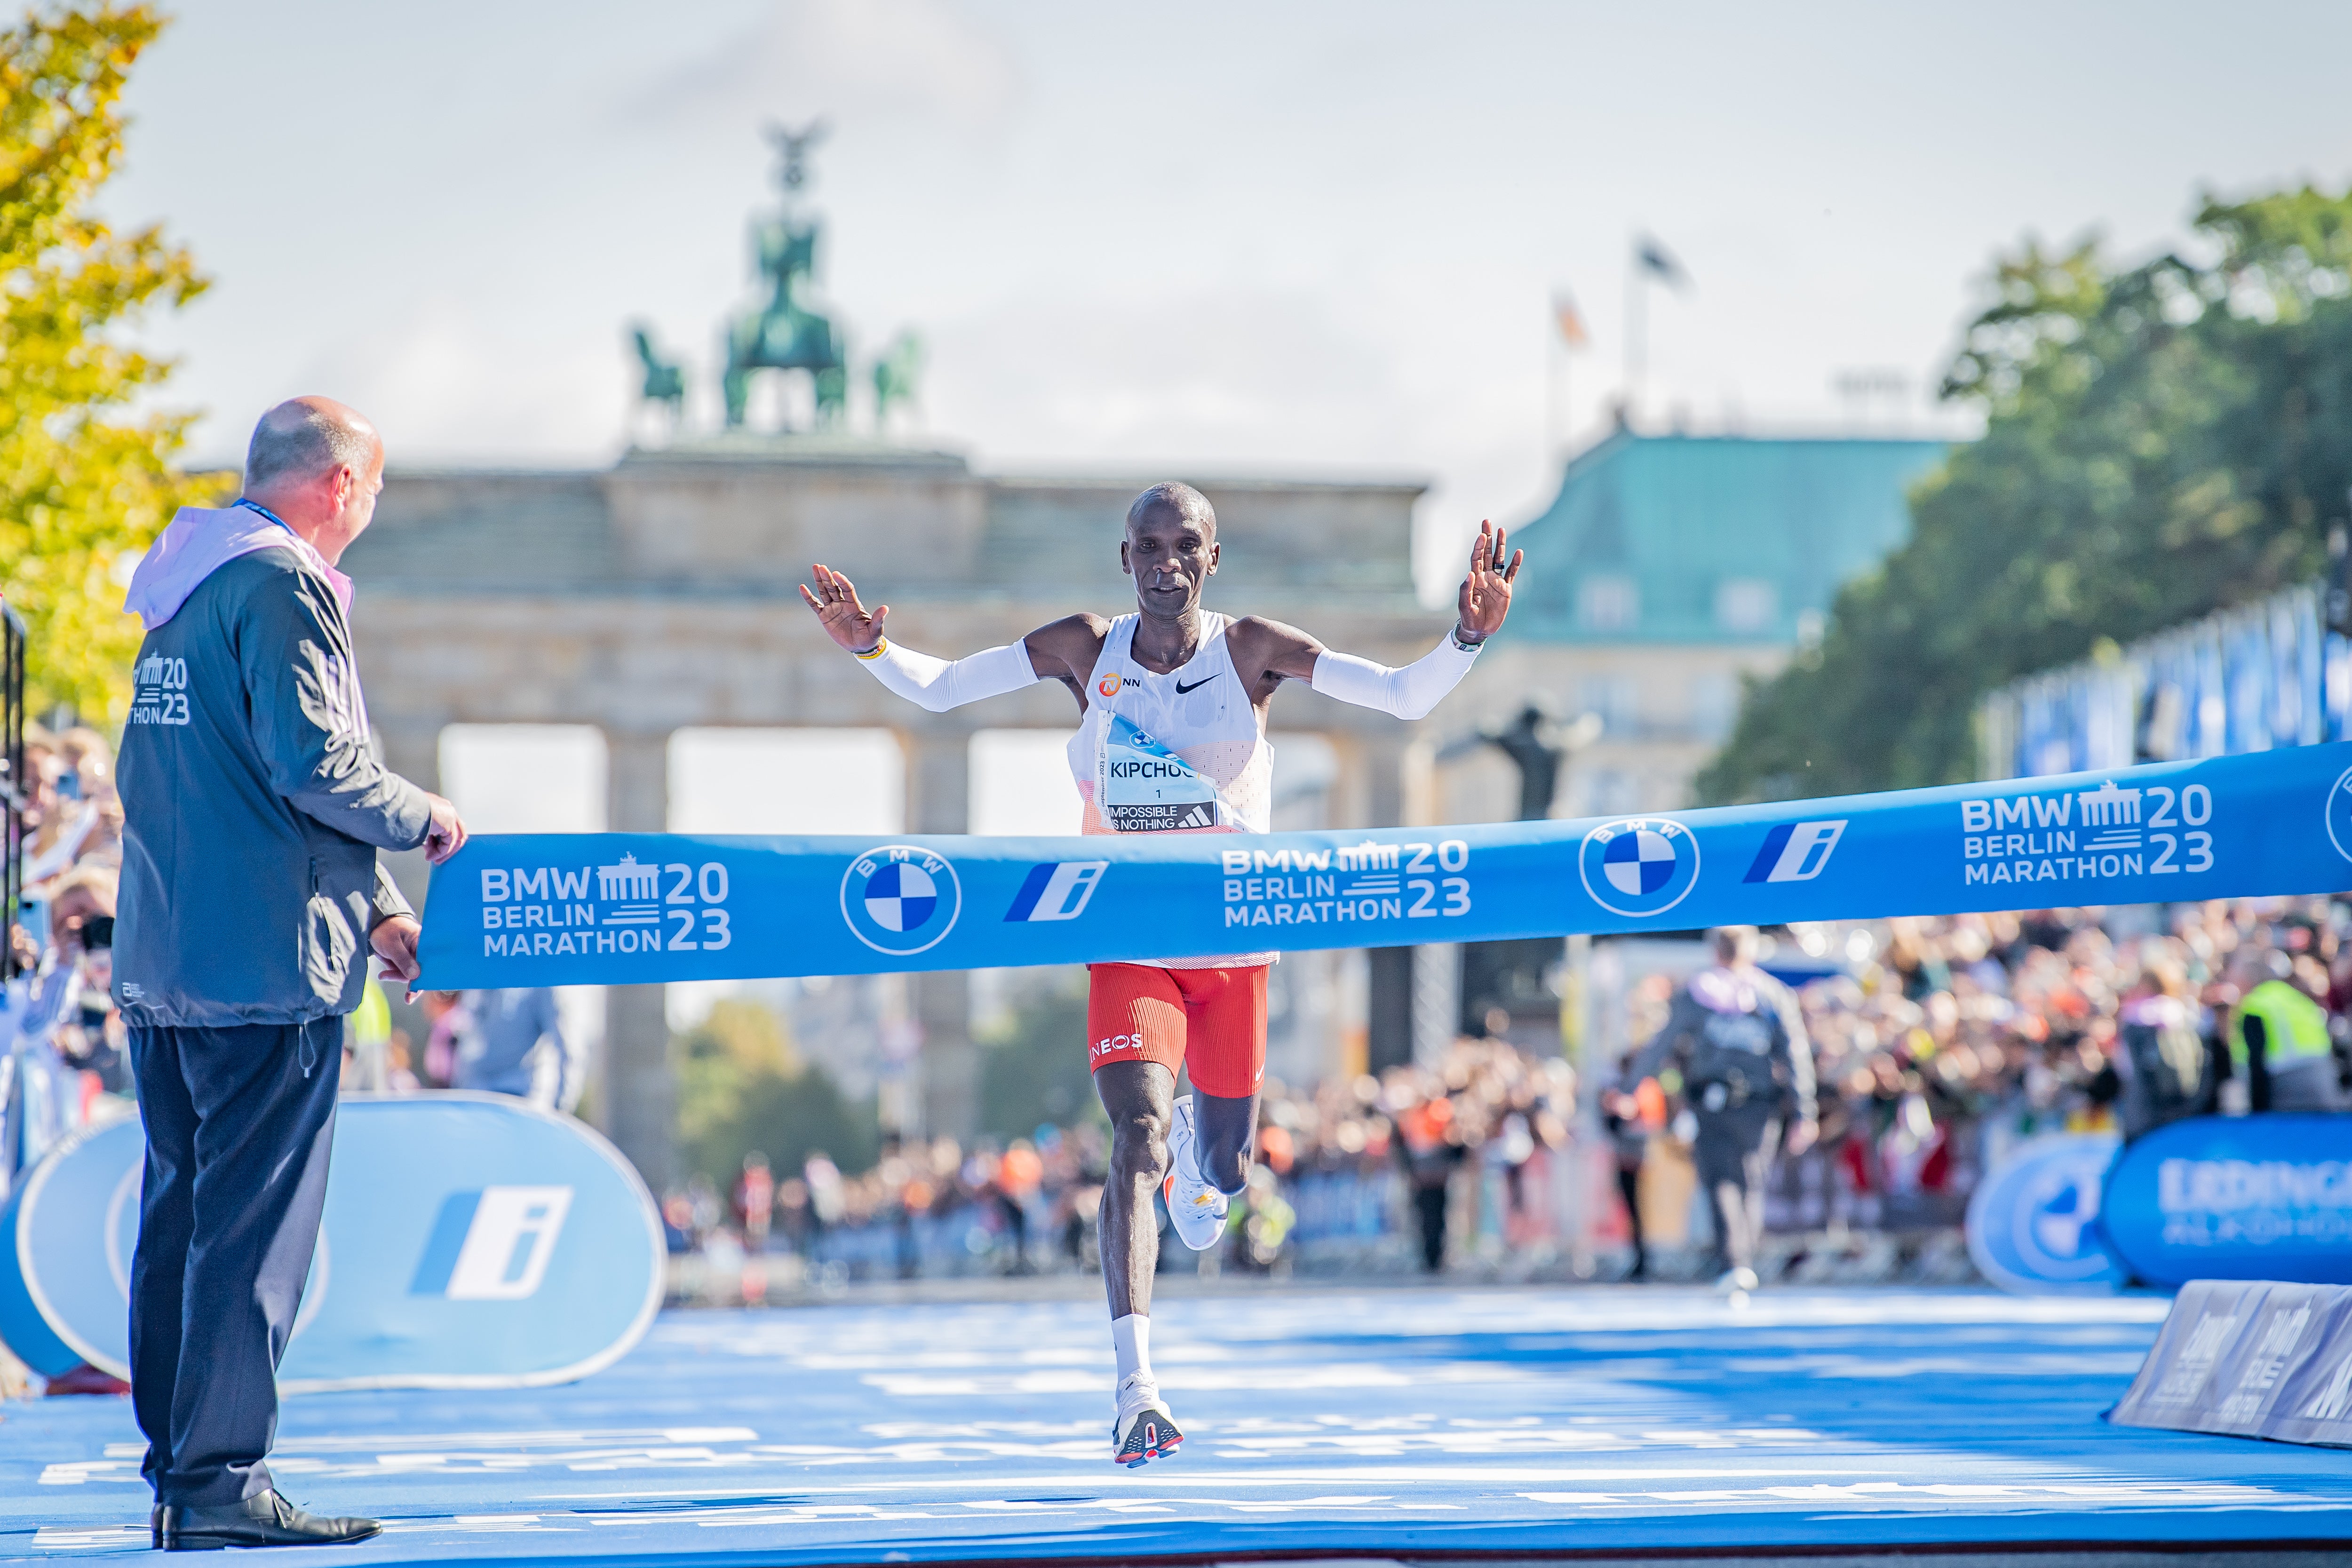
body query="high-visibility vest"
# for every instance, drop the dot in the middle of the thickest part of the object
(2295, 1027)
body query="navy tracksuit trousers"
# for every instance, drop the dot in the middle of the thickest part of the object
(239, 1122)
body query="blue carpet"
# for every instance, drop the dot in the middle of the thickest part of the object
(1405, 1421)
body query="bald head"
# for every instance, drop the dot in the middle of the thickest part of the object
(305, 440)
(1176, 499)
(318, 465)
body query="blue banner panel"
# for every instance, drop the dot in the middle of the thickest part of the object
(621, 908)
(2250, 1359)
(2239, 1198)
(470, 1241)
(2033, 1225)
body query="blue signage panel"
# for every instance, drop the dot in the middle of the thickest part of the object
(2034, 1225)
(470, 1241)
(2236, 1197)
(627, 908)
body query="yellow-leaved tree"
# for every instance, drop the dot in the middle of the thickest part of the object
(87, 477)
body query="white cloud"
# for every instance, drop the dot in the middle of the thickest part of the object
(446, 381)
(845, 58)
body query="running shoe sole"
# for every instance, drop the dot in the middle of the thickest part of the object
(1152, 1435)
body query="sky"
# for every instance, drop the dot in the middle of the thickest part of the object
(1220, 238)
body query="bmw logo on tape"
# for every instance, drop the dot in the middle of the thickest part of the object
(1639, 866)
(900, 899)
(2339, 815)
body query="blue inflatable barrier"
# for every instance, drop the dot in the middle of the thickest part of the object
(2240, 1198)
(470, 1241)
(622, 909)
(2035, 1224)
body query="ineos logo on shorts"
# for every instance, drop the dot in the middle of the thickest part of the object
(1118, 1043)
(1639, 866)
(900, 899)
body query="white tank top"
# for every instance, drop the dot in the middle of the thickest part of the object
(1191, 757)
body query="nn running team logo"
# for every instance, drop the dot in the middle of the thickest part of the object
(1639, 866)
(900, 899)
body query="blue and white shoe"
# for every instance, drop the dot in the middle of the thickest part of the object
(1197, 1207)
(1143, 1429)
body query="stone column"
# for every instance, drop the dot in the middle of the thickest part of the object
(1389, 788)
(939, 800)
(637, 1098)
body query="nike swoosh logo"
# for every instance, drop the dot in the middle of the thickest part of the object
(1181, 688)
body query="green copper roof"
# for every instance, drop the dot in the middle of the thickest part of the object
(1710, 539)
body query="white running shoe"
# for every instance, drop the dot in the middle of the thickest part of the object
(1197, 1207)
(1736, 1282)
(1142, 1429)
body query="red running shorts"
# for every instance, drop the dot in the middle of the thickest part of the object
(1211, 1021)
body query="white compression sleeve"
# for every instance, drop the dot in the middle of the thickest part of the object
(937, 686)
(1408, 693)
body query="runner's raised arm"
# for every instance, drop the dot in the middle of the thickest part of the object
(1277, 652)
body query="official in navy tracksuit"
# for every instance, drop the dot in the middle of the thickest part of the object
(250, 900)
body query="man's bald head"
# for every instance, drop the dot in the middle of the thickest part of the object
(306, 438)
(1181, 500)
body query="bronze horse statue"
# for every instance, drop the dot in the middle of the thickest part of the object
(785, 334)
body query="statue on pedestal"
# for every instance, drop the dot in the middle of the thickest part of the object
(785, 334)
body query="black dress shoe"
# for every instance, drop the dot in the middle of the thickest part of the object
(267, 1520)
(155, 1527)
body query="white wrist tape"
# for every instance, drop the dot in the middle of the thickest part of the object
(1408, 693)
(937, 686)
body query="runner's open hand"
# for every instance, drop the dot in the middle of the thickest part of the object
(845, 620)
(1486, 592)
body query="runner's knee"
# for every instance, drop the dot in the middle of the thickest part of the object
(1139, 1144)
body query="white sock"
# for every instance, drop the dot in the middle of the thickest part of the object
(1131, 1337)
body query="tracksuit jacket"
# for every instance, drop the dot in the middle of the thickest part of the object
(253, 804)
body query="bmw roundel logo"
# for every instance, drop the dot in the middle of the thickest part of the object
(2339, 814)
(900, 899)
(1639, 866)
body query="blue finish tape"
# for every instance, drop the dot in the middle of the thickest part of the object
(620, 909)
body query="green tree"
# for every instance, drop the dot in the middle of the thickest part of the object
(86, 478)
(1034, 1069)
(742, 1087)
(2161, 440)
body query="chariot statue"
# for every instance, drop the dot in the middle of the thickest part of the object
(785, 334)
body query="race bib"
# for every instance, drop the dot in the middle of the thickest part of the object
(1142, 786)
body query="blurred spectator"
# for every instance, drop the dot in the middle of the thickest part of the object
(2279, 1039)
(755, 1201)
(1623, 1119)
(1736, 1040)
(516, 1045)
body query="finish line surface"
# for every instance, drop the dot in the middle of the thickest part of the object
(1413, 1422)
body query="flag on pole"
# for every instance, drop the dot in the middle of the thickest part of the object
(1660, 262)
(1571, 321)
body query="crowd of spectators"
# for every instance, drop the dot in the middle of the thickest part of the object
(64, 1052)
(1939, 1046)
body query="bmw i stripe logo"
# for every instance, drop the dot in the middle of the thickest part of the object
(1639, 866)
(900, 899)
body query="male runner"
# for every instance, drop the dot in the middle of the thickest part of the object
(1172, 738)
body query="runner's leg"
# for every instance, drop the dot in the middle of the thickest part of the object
(1225, 1053)
(1135, 1027)
(1138, 1096)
